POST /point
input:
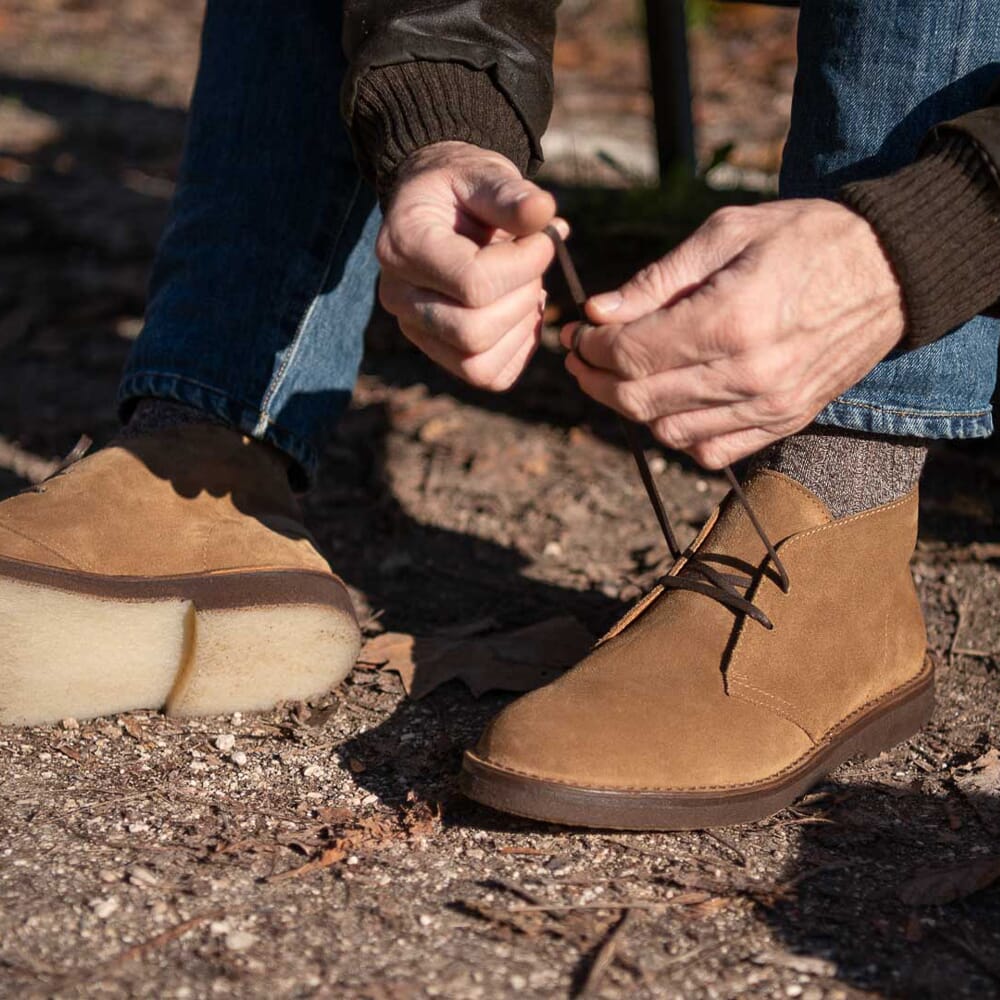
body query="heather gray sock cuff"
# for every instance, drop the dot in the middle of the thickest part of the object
(849, 472)
(152, 415)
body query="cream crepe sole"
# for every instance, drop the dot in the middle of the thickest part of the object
(73, 653)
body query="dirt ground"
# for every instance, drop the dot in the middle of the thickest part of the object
(323, 850)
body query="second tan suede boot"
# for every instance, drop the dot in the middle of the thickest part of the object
(691, 714)
(170, 570)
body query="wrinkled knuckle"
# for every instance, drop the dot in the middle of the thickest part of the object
(471, 336)
(477, 372)
(627, 357)
(648, 280)
(756, 379)
(729, 219)
(473, 287)
(386, 252)
(671, 432)
(709, 455)
(631, 399)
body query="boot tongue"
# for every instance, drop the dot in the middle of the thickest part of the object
(784, 508)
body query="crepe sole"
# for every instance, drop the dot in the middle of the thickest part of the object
(889, 721)
(80, 645)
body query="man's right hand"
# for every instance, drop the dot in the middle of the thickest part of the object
(462, 254)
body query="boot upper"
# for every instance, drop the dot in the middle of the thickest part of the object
(687, 694)
(192, 500)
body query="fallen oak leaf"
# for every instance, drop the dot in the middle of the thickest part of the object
(937, 886)
(331, 856)
(519, 660)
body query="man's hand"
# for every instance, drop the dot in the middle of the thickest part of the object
(463, 254)
(746, 331)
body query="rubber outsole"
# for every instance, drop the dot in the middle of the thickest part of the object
(76, 644)
(889, 721)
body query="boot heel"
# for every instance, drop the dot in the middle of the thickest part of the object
(897, 722)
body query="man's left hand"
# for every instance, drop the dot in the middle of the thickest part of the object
(746, 331)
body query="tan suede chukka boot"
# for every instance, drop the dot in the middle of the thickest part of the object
(170, 571)
(688, 714)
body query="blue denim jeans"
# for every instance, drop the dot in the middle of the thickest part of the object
(264, 278)
(265, 275)
(874, 76)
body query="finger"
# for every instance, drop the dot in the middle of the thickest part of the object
(498, 196)
(642, 400)
(692, 331)
(458, 268)
(472, 331)
(716, 453)
(482, 370)
(684, 431)
(677, 274)
(515, 367)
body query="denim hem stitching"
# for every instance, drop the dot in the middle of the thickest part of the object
(928, 414)
(168, 385)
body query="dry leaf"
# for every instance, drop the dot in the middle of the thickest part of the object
(521, 660)
(935, 887)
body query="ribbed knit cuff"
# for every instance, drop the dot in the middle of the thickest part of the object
(404, 107)
(939, 222)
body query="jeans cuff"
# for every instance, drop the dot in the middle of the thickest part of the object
(237, 413)
(873, 418)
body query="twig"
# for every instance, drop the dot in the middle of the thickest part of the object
(736, 852)
(982, 654)
(98, 971)
(569, 907)
(960, 610)
(605, 955)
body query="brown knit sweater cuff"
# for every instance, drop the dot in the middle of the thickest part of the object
(404, 107)
(939, 222)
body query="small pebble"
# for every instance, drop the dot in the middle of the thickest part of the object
(143, 877)
(239, 758)
(312, 771)
(103, 908)
(70, 724)
(225, 742)
(240, 940)
(657, 465)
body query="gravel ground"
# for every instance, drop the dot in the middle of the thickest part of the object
(322, 850)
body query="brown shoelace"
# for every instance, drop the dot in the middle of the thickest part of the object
(696, 575)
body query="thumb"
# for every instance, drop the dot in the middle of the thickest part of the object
(671, 278)
(498, 196)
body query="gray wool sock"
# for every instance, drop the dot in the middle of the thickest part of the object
(161, 414)
(848, 471)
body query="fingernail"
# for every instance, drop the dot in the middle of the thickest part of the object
(608, 302)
